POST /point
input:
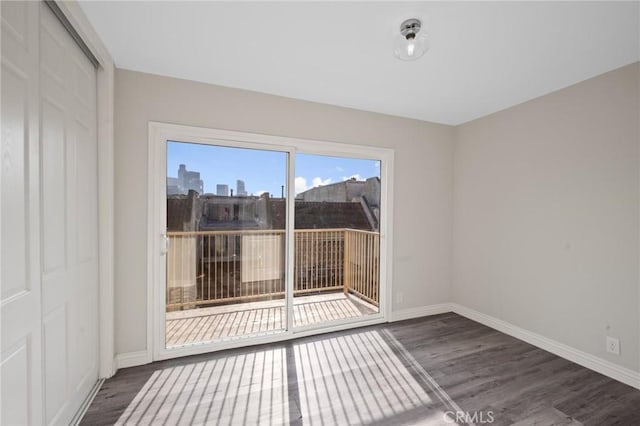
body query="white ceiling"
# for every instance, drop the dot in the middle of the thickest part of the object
(484, 56)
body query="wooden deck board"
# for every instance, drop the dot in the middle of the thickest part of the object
(211, 324)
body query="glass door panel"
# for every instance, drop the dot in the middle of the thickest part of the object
(337, 239)
(226, 216)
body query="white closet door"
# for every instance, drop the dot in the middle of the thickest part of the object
(49, 219)
(69, 225)
(20, 270)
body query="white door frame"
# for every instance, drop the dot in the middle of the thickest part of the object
(159, 134)
(105, 94)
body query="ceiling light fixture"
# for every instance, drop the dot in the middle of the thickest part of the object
(411, 44)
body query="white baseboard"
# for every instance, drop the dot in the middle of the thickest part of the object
(422, 311)
(131, 359)
(592, 362)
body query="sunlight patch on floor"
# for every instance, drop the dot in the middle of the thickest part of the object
(241, 389)
(359, 378)
(354, 379)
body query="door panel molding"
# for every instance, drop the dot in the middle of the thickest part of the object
(36, 322)
(21, 356)
(69, 286)
(106, 226)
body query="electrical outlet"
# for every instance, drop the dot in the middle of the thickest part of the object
(613, 345)
(399, 297)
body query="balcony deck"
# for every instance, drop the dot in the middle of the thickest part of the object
(222, 322)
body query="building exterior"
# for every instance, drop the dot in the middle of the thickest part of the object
(366, 192)
(240, 190)
(185, 182)
(189, 180)
(222, 189)
(172, 186)
(347, 191)
(213, 212)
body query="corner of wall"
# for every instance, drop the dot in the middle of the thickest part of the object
(592, 362)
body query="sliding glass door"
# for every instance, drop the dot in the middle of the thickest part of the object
(337, 239)
(255, 238)
(225, 227)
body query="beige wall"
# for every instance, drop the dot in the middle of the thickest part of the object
(545, 197)
(422, 191)
(546, 215)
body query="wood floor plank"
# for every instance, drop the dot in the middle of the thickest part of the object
(424, 371)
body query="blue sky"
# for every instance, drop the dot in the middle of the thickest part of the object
(262, 170)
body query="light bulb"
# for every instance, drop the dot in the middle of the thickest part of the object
(411, 43)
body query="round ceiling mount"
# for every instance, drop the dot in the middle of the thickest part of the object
(411, 43)
(410, 28)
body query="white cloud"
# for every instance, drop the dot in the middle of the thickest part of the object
(340, 169)
(259, 193)
(318, 181)
(301, 183)
(356, 176)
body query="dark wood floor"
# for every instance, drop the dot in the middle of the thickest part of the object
(431, 371)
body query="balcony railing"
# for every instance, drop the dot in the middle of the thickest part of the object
(206, 268)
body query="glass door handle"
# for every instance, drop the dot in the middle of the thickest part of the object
(164, 244)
